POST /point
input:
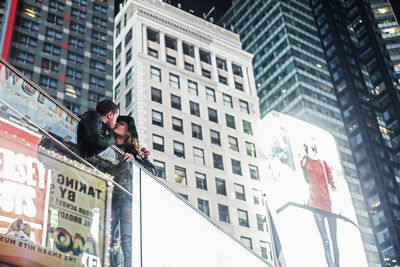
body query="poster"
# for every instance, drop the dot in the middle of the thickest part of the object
(24, 181)
(307, 194)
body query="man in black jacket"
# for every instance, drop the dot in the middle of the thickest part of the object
(95, 130)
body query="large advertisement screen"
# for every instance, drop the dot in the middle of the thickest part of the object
(308, 195)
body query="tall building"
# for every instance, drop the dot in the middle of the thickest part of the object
(389, 27)
(7, 13)
(66, 48)
(190, 88)
(292, 76)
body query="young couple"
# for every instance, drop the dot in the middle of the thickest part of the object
(97, 131)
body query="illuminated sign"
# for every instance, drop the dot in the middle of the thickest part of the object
(308, 195)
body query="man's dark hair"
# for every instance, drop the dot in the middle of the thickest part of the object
(105, 106)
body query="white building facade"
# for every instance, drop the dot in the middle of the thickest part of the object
(191, 90)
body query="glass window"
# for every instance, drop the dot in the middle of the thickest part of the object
(223, 212)
(196, 131)
(30, 25)
(221, 63)
(250, 149)
(72, 91)
(228, 100)
(152, 52)
(158, 142)
(156, 95)
(179, 149)
(74, 74)
(203, 206)
(128, 99)
(184, 196)
(170, 42)
(239, 192)
(99, 22)
(118, 29)
(230, 121)
(261, 222)
(189, 67)
(97, 82)
(79, 14)
(247, 127)
(210, 93)
(176, 102)
(212, 115)
(153, 36)
(266, 252)
(97, 65)
(254, 172)
(52, 34)
(206, 73)
(29, 41)
(218, 162)
(257, 198)
(98, 50)
(192, 86)
(100, 9)
(117, 90)
(118, 50)
(128, 77)
(155, 74)
(194, 108)
(205, 56)
(171, 60)
(128, 56)
(243, 218)
(95, 97)
(174, 81)
(128, 37)
(201, 181)
(244, 106)
(50, 65)
(215, 138)
(157, 118)
(233, 143)
(73, 107)
(222, 79)
(56, 5)
(25, 57)
(188, 49)
(48, 82)
(54, 19)
(99, 36)
(237, 70)
(180, 175)
(177, 124)
(236, 167)
(246, 241)
(220, 185)
(239, 86)
(198, 155)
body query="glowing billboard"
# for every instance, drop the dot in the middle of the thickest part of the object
(308, 195)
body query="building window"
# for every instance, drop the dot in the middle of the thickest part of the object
(54, 19)
(118, 29)
(95, 97)
(27, 73)
(239, 86)
(99, 36)
(189, 67)
(194, 108)
(196, 131)
(228, 100)
(215, 138)
(266, 252)
(230, 121)
(192, 87)
(220, 186)
(75, 58)
(254, 172)
(247, 127)
(186, 197)
(179, 149)
(96, 81)
(25, 57)
(222, 79)
(170, 42)
(156, 95)
(155, 74)
(118, 69)
(257, 197)
(261, 222)
(117, 90)
(128, 56)
(218, 162)
(73, 107)
(206, 73)
(243, 218)
(246, 241)
(174, 81)
(99, 22)
(97, 65)
(55, 5)
(188, 49)
(52, 34)
(239, 192)
(158, 142)
(51, 49)
(198, 155)
(203, 206)
(28, 40)
(30, 25)
(223, 212)
(99, 51)
(171, 60)
(157, 118)
(128, 37)
(118, 50)
(201, 181)
(244, 106)
(210, 93)
(48, 82)
(128, 99)
(31, 11)
(72, 91)
(250, 149)
(100, 9)
(180, 175)
(152, 52)
(237, 70)
(213, 115)
(233, 143)
(177, 124)
(50, 65)
(176, 102)
(153, 36)
(74, 74)
(205, 56)
(76, 42)
(79, 14)
(221, 63)
(236, 167)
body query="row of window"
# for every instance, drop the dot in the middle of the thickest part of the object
(59, 6)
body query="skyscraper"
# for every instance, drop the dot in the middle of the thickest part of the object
(292, 76)
(190, 88)
(66, 48)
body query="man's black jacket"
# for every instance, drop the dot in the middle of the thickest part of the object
(92, 135)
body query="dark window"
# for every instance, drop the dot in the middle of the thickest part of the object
(243, 218)
(179, 149)
(188, 49)
(201, 181)
(118, 50)
(230, 121)
(205, 56)
(152, 52)
(247, 127)
(128, 98)
(153, 36)
(220, 185)
(237, 70)
(177, 124)
(222, 79)
(223, 212)
(171, 60)
(212, 115)
(157, 118)
(221, 63)
(156, 95)
(239, 192)
(215, 138)
(194, 108)
(176, 102)
(196, 131)
(206, 73)
(170, 42)
(158, 142)
(254, 172)
(160, 168)
(203, 206)
(236, 167)
(239, 86)
(189, 67)
(218, 162)
(210, 93)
